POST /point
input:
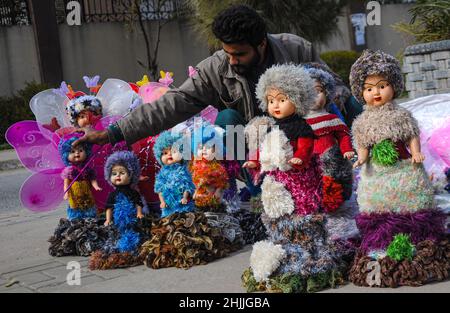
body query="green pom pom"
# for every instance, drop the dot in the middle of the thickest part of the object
(401, 248)
(384, 153)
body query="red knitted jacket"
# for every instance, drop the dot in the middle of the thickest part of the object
(329, 130)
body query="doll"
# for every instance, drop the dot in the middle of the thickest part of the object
(332, 143)
(81, 200)
(209, 174)
(398, 220)
(124, 204)
(297, 249)
(84, 111)
(173, 182)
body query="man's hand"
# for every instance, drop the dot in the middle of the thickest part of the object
(349, 155)
(99, 137)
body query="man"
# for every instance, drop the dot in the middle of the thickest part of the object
(226, 80)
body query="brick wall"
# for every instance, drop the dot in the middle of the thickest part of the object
(427, 68)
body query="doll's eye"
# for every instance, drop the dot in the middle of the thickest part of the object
(282, 100)
(369, 89)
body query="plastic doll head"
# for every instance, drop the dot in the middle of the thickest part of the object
(207, 142)
(120, 175)
(324, 85)
(168, 148)
(377, 64)
(79, 108)
(128, 161)
(278, 104)
(171, 156)
(73, 155)
(377, 90)
(291, 80)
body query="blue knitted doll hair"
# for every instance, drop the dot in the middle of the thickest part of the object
(65, 146)
(128, 160)
(325, 79)
(165, 140)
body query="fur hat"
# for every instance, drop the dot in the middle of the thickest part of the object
(165, 140)
(291, 79)
(375, 63)
(128, 160)
(325, 79)
(77, 105)
(65, 146)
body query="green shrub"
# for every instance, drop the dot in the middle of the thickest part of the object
(340, 62)
(16, 108)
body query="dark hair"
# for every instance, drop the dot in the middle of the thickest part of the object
(239, 24)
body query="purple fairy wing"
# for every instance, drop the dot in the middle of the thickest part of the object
(91, 81)
(42, 191)
(35, 146)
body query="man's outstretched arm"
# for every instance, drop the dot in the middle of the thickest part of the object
(149, 119)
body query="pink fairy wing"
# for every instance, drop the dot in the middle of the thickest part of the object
(34, 146)
(152, 91)
(42, 191)
(439, 142)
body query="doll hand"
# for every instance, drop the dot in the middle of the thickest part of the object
(140, 215)
(349, 155)
(295, 161)
(97, 188)
(359, 162)
(250, 164)
(184, 201)
(144, 178)
(107, 223)
(163, 205)
(66, 196)
(417, 157)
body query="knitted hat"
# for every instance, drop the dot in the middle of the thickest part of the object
(375, 63)
(165, 140)
(325, 79)
(291, 79)
(65, 146)
(128, 160)
(210, 135)
(77, 105)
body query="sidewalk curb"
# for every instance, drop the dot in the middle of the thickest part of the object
(10, 165)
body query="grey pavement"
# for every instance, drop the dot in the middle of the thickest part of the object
(25, 265)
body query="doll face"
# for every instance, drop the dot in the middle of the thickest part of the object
(170, 156)
(120, 176)
(207, 152)
(84, 118)
(377, 90)
(321, 98)
(278, 104)
(77, 154)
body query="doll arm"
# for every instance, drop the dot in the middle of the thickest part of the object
(253, 161)
(163, 204)
(345, 143)
(414, 147)
(94, 184)
(139, 211)
(186, 196)
(304, 150)
(363, 156)
(108, 216)
(66, 185)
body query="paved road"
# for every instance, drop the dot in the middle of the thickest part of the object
(10, 182)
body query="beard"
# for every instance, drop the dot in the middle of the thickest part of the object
(243, 69)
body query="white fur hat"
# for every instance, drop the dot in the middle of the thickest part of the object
(291, 79)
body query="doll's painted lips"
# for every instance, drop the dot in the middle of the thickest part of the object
(277, 112)
(377, 98)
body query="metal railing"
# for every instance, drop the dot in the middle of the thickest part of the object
(14, 12)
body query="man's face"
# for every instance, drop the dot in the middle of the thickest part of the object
(243, 57)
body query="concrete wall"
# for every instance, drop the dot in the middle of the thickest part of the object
(18, 58)
(382, 36)
(111, 51)
(107, 49)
